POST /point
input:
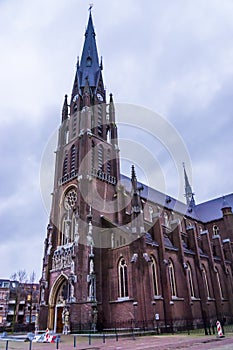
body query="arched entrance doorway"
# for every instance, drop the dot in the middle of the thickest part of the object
(57, 302)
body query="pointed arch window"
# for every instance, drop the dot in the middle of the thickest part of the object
(123, 279)
(100, 157)
(73, 226)
(154, 276)
(62, 294)
(108, 162)
(172, 280)
(206, 282)
(99, 120)
(215, 230)
(72, 159)
(65, 166)
(190, 280)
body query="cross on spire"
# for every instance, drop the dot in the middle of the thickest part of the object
(90, 6)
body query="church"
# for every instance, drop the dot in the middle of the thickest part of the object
(118, 256)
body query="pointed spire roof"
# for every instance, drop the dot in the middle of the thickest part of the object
(89, 65)
(65, 109)
(189, 195)
(134, 179)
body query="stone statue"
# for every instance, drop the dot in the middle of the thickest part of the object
(66, 320)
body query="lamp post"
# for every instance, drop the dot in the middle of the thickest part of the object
(37, 320)
(135, 304)
(153, 303)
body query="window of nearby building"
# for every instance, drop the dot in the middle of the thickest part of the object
(172, 278)
(5, 284)
(190, 280)
(123, 278)
(154, 276)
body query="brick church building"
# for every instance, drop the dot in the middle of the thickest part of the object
(118, 255)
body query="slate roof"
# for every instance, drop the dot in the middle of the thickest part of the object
(89, 66)
(211, 210)
(204, 212)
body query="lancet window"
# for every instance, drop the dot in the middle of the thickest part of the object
(123, 278)
(171, 273)
(154, 276)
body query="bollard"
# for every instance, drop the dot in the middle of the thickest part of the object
(74, 341)
(104, 338)
(57, 340)
(7, 345)
(219, 329)
(30, 344)
(89, 338)
(116, 336)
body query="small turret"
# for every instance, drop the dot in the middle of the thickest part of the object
(136, 205)
(226, 208)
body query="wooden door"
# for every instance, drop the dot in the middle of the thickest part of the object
(59, 320)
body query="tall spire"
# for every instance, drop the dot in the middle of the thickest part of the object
(189, 195)
(89, 64)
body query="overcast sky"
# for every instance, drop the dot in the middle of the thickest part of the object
(174, 57)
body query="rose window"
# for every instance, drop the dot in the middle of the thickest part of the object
(70, 199)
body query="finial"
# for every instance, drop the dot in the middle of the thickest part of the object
(77, 64)
(90, 7)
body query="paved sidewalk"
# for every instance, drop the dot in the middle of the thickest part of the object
(161, 342)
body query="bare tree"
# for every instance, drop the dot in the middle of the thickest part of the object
(18, 292)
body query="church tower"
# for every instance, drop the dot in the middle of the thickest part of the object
(86, 176)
